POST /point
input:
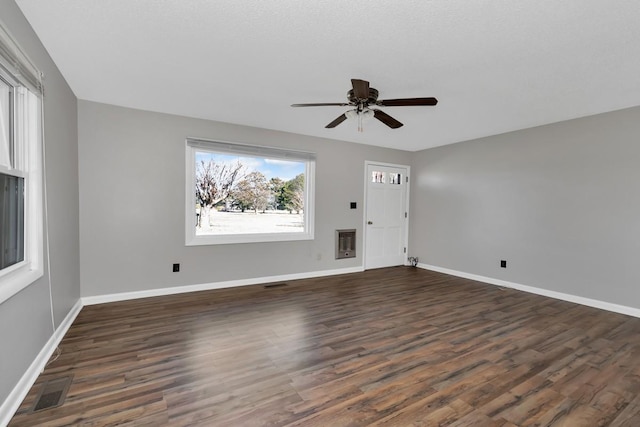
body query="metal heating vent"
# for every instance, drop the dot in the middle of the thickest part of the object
(52, 394)
(345, 244)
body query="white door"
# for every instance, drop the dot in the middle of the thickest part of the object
(385, 216)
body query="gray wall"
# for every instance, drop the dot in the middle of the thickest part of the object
(560, 203)
(132, 202)
(25, 319)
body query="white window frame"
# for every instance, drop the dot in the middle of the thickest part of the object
(27, 164)
(194, 145)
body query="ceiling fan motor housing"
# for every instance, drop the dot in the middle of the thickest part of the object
(373, 97)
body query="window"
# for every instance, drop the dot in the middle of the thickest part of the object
(378, 177)
(21, 231)
(11, 220)
(237, 193)
(395, 178)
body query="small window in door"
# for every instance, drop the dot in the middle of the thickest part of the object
(395, 178)
(378, 177)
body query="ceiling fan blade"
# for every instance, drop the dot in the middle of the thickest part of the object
(337, 121)
(321, 104)
(387, 119)
(407, 102)
(360, 88)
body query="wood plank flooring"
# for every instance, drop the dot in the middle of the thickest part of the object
(390, 347)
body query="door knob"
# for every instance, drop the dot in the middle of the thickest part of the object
(369, 222)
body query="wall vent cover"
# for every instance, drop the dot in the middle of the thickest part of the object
(345, 243)
(275, 285)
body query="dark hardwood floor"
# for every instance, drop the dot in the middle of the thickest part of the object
(389, 347)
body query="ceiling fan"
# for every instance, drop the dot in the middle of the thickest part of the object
(362, 96)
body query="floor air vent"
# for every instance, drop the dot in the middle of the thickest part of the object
(275, 285)
(53, 393)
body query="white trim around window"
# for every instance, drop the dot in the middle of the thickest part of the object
(196, 147)
(26, 164)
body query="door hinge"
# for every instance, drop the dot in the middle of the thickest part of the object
(405, 214)
(407, 178)
(405, 250)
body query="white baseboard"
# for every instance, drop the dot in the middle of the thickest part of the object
(19, 392)
(101, 299)
(616, 308)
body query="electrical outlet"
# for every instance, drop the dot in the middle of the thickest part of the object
(176, 268)
(503, 263)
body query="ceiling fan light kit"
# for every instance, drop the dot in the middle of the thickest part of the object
(360, 115)
(361, 96)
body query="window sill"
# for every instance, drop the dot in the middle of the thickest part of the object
(246, 238)
(13, 282)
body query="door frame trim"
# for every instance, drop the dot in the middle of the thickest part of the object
(368, 163)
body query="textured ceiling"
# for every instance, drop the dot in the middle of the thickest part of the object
(494, 65)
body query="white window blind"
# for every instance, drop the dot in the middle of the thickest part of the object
(16, 62)
(6, 113)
